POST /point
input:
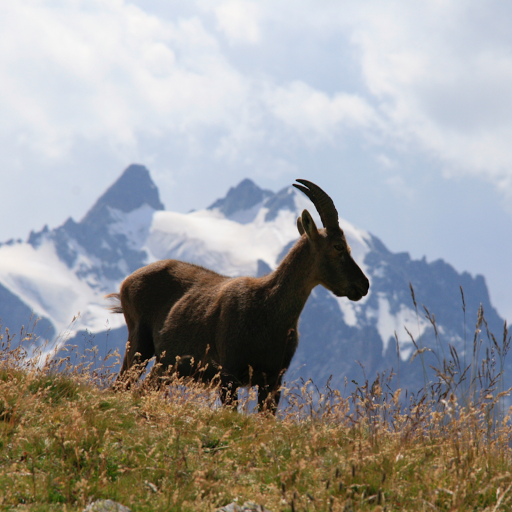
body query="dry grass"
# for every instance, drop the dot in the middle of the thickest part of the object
(67, 438)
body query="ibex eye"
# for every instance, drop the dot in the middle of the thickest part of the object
(338, 247)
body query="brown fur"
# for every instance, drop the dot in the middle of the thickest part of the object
(243, 329)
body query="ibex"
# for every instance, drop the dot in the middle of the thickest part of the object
(242, 329)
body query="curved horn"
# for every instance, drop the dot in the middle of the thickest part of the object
(323, 203)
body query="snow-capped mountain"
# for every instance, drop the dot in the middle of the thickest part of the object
(65, 272)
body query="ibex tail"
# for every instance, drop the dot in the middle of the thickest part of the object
(116, 307)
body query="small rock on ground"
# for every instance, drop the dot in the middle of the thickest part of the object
(248, 506)
(106, 506)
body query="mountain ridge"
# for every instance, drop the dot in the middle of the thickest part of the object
(242, 197)
(245, 233)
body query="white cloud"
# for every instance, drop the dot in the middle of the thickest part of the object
(442, 73)
(109, 73)
(108, 70)
(312, 112)
(437, 78)
(239, 20)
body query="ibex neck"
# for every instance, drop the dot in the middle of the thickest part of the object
(291, 283)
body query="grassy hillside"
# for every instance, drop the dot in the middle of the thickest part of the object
(67, 438)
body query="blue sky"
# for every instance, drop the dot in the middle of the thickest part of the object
(400, 110)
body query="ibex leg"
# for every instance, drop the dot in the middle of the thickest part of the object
(269, 396)
(139, 350)
(228, 392)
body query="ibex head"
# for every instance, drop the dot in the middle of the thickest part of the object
(336, 269)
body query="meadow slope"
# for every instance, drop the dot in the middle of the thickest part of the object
(67, 438)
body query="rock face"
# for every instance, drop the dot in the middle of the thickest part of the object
(16, 314)
(242, 197)
(61, 271)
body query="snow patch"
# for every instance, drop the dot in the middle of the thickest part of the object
(222, 244)
(246, 216)
(348, 308)
(50, 288)
(388, 324)
(135, 225)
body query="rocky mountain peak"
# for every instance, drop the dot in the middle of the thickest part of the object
(242, 197)
(283, 200)
(131, 190)
(105, 230)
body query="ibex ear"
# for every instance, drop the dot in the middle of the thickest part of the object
(309, 226)
(300, 227)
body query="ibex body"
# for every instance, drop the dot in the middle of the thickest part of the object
(244, 328)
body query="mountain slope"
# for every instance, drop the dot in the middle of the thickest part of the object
(58, 273)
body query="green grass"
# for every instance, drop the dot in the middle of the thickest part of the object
(67, 438)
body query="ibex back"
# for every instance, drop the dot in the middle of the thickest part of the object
(243, 329)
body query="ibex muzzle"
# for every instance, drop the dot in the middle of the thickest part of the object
(244, 329)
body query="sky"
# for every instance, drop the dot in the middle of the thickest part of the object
(401, 111)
